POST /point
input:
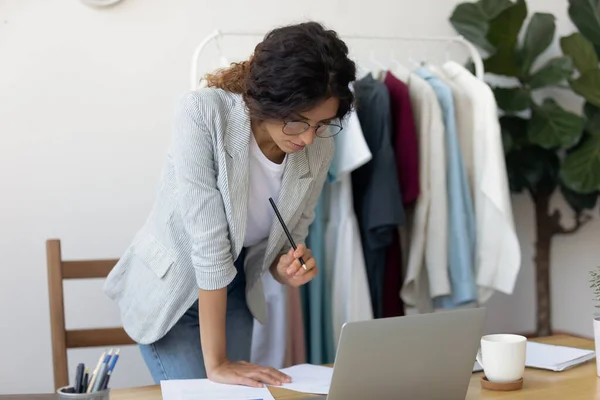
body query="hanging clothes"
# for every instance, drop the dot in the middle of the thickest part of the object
(317, 317)
(349, 296)
(427, 269)
(404, 141)
(404, 138)
(339, 253)
(498, 255)
(461, 229)
(295, 345)
(376, 192)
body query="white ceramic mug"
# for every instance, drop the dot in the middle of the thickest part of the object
(502, 357)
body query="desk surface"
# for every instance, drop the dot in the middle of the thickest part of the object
(578, 383)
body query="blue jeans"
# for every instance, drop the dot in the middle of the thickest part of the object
(178, 354)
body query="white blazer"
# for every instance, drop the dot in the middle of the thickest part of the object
(196, 228)
(498, 256)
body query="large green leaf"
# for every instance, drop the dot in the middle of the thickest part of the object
(538, 36)
(471, 20)
(505, 28)
(581, 51)
(585, 14)
(503, 33)
(492, 8)
(532, 168)
(552, 127)
(580, 171)
(552, 72)
(503, 62)
(468, 20)
(578, 201)
(588, 86)
(512, 100)
(592, 114)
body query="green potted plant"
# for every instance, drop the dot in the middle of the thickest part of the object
(547, 148)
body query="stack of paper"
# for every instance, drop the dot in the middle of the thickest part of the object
(552, 357)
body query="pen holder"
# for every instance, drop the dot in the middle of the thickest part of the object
(102, 395)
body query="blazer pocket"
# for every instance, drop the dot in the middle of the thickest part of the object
(154, 254)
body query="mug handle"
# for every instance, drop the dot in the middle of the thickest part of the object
(478, 357)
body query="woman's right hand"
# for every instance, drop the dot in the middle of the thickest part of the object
(247, 374)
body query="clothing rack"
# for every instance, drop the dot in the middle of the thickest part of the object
(217, 35)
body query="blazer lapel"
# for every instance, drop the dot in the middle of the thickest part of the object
(296, 180)
(237, 138)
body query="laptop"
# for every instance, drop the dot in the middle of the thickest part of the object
(426, 356)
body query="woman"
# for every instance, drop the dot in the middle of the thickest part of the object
(189, 285)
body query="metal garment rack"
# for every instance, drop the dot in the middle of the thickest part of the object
(217, 35)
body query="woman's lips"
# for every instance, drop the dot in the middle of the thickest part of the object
(297, 146)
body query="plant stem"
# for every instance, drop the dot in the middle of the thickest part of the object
(545, 229)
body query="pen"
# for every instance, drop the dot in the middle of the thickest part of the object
(286, 230)
(85, 381)
(111, 367)
(95, 373)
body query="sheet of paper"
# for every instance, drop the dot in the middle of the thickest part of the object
(308, 378)
(204, 389)
(551, 357)
(555, 358)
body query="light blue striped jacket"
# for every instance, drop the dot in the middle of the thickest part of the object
(196, 228)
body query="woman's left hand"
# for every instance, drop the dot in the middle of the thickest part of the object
(289, 271)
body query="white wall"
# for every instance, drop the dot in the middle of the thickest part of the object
(86, 98)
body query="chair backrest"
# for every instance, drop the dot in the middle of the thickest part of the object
(63, 339)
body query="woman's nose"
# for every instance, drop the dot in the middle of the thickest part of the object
(308, 137)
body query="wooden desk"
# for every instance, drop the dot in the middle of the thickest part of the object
(578, 383)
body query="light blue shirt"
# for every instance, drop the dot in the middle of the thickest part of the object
(461, 217)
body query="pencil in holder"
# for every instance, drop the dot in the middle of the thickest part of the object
(101, 395)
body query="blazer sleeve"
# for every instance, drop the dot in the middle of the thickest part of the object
(300, 232)
(198, 199)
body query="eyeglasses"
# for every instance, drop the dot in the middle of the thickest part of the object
(293, 128)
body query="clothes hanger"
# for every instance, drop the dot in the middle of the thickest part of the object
(375, 62)
(393, 60)
(361, 70)
(412, 61)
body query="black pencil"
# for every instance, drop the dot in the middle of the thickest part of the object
(286, 231)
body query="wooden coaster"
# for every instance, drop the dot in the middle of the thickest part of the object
(501, 386)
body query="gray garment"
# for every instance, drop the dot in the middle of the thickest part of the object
(197, 225)
(377, 197)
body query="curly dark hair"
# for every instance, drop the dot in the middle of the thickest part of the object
(292, 70)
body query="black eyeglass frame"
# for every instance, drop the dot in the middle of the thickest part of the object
(315, 127)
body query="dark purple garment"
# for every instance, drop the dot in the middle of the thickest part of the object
(404, 138)
(406, 150)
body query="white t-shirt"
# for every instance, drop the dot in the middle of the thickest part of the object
(345, 263)
(268, 340)
(265, 182)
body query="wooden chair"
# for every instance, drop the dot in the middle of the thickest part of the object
(63, 339)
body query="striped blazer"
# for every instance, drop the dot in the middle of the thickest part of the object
(196, 228)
